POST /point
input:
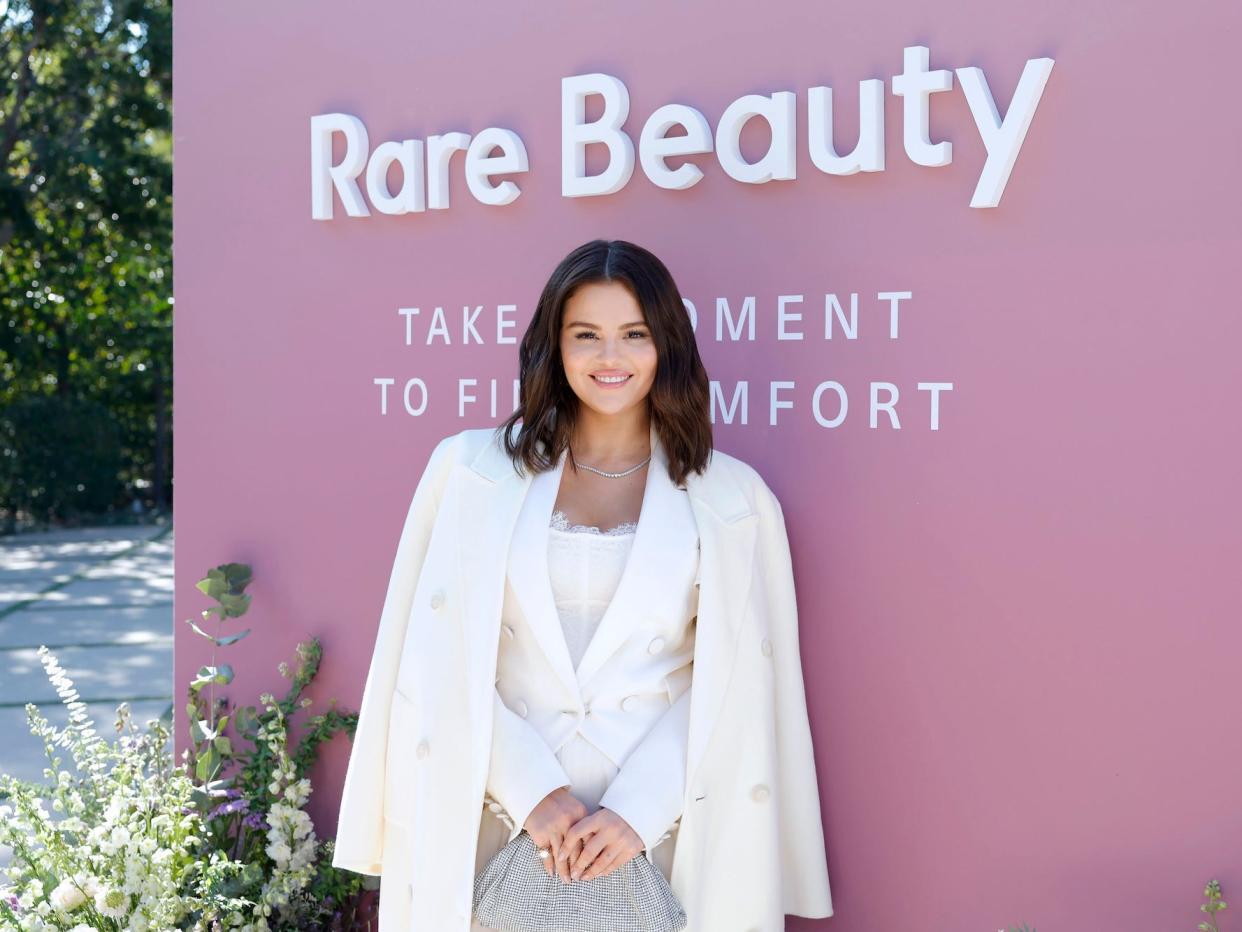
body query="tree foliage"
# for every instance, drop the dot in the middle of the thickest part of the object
(85, 239)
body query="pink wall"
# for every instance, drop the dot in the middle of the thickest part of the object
(1020, 631)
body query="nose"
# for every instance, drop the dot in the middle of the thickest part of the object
(609, 348)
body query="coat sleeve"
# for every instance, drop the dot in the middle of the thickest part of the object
(360, 824)
(805, 887)
(523, 768)
(649, 789)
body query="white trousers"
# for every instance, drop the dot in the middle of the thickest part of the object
(590, 772)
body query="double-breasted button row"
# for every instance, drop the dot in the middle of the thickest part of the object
(628, 704)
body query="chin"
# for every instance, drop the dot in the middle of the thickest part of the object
(612, 406)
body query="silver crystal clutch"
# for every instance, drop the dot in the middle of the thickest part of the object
(514, 893)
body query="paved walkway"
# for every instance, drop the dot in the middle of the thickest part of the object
(101, 600)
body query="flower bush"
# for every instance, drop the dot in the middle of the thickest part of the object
(128, 851)
(220, 841)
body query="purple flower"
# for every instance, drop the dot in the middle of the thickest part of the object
(235, 805)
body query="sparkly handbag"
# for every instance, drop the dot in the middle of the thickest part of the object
(514, 893)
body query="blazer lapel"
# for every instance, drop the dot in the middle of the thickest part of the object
(665, 528)
(491, 499)
(527, 571)
(488, 522)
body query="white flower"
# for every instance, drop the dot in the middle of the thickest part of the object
(34, 891)
(67, 897)
(111, 902)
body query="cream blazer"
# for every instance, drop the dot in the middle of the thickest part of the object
(628, 695)
(750, 843)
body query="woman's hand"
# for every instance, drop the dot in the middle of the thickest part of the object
(547, 824)
(607, 842)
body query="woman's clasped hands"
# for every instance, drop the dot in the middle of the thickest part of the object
(583, 846)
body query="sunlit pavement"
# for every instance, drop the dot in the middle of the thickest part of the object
(101, 600)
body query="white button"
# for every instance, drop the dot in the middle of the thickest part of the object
(521, 708)
(423, 749)
(495, 807)
(629, 703)
(759, 793)
(766, 647)
(656, 645)
(437, 599)
(508, 629)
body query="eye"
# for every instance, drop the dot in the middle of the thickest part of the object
(584, 333)
(641, 333)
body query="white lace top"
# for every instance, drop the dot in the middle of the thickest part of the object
(585, 565)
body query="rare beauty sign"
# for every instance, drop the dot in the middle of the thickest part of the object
(425, 164)
(360, 180)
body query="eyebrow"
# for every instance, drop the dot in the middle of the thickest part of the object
(583, 323)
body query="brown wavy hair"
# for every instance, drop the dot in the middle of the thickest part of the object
(678, 403)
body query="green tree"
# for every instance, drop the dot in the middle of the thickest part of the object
(85, 254)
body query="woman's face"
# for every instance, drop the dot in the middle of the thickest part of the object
(603, 335)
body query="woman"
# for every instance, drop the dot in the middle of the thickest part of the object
(591, 633)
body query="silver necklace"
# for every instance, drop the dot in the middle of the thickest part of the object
(611, 475)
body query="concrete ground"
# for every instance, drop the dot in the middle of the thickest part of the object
(101, 600)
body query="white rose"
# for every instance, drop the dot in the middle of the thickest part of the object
(67, 897)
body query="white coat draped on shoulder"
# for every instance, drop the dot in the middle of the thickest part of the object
(750, 845)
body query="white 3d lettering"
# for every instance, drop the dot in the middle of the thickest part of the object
(425, 176)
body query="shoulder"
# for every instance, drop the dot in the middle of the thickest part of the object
(728, 469)
(463, 445)
(455, 449)
(468, 442)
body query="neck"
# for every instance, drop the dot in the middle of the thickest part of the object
(611, 441)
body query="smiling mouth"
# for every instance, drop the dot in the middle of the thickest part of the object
(611, 379)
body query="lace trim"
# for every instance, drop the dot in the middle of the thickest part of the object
(560, 522)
